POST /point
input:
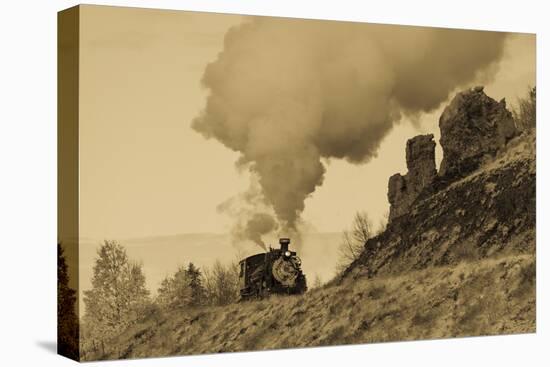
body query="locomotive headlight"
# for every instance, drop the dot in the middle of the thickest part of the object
(287, 254)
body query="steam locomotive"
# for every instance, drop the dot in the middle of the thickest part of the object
(276, 271)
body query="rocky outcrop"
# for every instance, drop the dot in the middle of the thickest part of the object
(480, 204)
(473, 128)
(403, 190)
(490, 212)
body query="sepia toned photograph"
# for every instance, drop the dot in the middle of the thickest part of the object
(232, 183)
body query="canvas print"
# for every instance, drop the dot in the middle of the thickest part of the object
(240, 183)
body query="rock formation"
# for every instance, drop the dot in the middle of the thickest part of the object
(488, 213)
(440, 219)
(473, 127)
(403, 190)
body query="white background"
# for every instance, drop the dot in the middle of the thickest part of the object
(28, 182)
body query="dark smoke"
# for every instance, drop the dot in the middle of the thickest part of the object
(253, 217)
(285, 93)
(257, 226)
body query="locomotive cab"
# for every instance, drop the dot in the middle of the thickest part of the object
(248, 272)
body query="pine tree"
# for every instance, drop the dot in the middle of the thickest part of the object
(67, 322)
(174, 292)
(194, 280)
(184, 289)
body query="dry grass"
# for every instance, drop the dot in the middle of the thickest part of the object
(493, 296)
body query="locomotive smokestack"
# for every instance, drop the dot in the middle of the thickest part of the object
(284, 242)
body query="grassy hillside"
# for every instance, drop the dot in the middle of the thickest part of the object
(462, 263)
(492, 296)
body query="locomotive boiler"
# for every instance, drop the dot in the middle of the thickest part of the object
(277, 271)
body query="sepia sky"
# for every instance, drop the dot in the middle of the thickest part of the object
(145, 172)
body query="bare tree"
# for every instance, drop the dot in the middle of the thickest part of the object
(525, 115)
(361, 228)
(353, 240)
(222, 283)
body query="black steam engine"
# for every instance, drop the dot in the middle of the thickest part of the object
(276, 271)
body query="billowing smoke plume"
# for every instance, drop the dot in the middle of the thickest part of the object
(285, 93)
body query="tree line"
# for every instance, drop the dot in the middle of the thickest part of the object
(119, 296)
